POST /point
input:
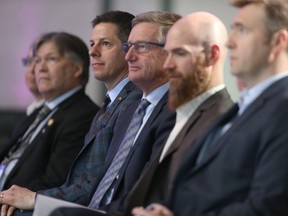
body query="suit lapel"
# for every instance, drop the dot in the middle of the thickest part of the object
(158, 108)
(240, 120)
(207, 105)
(102, 120)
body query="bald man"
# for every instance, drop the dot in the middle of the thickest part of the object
(196, 55)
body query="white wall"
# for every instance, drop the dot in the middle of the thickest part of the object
(22, 20)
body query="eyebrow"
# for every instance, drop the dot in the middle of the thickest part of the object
(236, 24)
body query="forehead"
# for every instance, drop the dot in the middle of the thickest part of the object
(105, 30)
(144, 32)
(180, 35)
(47, 47)
(250, 15)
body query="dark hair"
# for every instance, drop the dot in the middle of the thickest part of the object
(121, 19)
(70, 45)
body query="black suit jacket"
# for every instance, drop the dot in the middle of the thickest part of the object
(245, 173)
(152, 137)
(155, 183)
(46, 161)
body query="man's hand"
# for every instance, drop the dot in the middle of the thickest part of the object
(7, 210)
(18, 197)
(152, 210)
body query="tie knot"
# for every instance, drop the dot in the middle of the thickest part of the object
(143, 105)
(106, 100)
(44, 110)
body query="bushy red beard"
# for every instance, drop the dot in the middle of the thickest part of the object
(189, 86)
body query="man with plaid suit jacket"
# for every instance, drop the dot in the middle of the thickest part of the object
(109, 31)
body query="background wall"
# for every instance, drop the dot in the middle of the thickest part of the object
(23, 20)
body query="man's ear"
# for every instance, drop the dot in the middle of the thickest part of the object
(279, 43)
(78, 71)
(213, 54)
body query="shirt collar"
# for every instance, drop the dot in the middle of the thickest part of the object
(54, 103)
(189, 108)
(155, 96)
(247, 96)
(117, 89)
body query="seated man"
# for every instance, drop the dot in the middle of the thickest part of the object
(45, 146)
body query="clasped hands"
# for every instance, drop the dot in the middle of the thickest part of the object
(16, 197)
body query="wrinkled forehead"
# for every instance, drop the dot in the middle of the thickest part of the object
(144, 31)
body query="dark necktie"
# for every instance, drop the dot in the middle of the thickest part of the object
(214, 136)
(121, 154)
(25, 139)
(105, 103)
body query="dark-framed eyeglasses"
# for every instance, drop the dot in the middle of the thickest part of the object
(27, 61)
(139, 46)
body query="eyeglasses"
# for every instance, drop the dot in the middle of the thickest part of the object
(49, 59)
(27, 61)
(139, 46)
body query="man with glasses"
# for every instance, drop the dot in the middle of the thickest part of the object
(41, 154)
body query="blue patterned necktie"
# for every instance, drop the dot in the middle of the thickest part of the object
(121, 154)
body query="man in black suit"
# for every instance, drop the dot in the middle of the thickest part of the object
(39, 157)
(239, 166)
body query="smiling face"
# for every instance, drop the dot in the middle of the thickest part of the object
(249, 49)
(55, 73)
(146, 69)
(106, 57)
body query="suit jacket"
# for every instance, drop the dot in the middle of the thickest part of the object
(89, 162)
(46, 161)
(151, 138)
(245, 172)
(155, 183)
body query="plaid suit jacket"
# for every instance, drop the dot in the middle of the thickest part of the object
(90, 160)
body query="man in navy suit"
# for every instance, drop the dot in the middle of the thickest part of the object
(109, 31)
(239, 166)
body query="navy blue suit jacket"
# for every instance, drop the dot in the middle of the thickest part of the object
(245, 172)
(151, 138)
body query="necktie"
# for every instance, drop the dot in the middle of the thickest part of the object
(24, 140)
(121, 154)
(105, 103)
(215, 135)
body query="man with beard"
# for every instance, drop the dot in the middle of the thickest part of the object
(196, 54)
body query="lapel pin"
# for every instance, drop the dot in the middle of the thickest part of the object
(50, 122)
